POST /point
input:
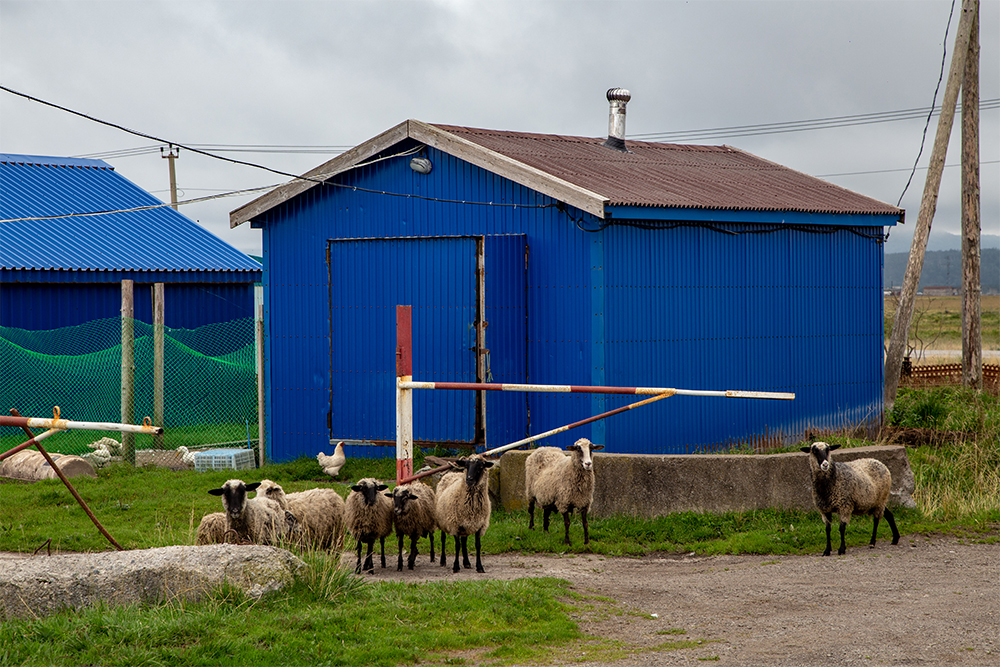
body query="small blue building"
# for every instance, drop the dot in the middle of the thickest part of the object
(583, 261)
(62, 260)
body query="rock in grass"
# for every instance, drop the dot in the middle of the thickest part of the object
(42, 585)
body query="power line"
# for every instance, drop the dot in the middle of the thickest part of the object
(800, 125)
(923, 137)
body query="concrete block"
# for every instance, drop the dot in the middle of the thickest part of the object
(646, 486)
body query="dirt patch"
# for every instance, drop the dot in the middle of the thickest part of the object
(925, 601)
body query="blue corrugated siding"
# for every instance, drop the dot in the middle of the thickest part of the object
(686, 307)
(44, 306)
(368, 279)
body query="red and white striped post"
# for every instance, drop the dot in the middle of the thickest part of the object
(404, 395)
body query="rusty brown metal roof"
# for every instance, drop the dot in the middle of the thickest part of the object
(674, 175)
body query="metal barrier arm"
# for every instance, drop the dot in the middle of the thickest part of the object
(583, 389)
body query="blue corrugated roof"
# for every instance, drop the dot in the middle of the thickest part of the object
(41, 226)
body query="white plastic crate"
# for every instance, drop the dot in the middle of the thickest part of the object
(221, 459)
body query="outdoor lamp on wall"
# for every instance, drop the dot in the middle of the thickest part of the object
(421, 165)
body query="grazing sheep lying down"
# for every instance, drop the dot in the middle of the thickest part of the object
(414, 515)
(854, 487)
(319, 514)
(256, 520)
(561, 483)
(368, 515)
(212, 529)
(463, 508)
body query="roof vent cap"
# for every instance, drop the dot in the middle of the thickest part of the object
(618, 98)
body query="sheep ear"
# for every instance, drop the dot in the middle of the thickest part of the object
(806, 449)
(388, 495)
(252, 486)
(596, 448)
(382, 487)
(216, 492)
(573, 448)
(488, 464)
(833, 447)
(356, 487)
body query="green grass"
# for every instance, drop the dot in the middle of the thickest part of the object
(330, 616)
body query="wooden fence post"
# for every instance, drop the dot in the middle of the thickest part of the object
(128, 369)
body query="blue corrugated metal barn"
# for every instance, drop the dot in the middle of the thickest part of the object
(586, 263)
(62, 265)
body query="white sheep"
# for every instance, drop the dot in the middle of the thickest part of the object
(256, 520)
(319, 513)
(854, 487)
(414, 514)
(561, 483)
(331, 465)
(368, 516)
(212, 529)
(463, 507)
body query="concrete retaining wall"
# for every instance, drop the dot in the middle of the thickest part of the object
(647, 486)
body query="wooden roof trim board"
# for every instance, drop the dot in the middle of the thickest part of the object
(520, 173)
(446, 142)
(327, 170)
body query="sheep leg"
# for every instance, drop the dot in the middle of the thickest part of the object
(369, 562)
(357, 568)
(871, 545)
(444, 545)
(458, 549)
(892, 524)
(827, 518)
(413, 552)
(566, 516)
(843, 542)
(465, 553)
(381, 542)
(586, 527)
(546, 511)
(531, 514)
(399, 562)
(432, 545)
(479, 559)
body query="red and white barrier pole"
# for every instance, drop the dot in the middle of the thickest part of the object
(404, 395)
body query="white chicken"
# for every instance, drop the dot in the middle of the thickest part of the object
(331, 465)
(186, 456)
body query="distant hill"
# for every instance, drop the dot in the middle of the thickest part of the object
(943, 268)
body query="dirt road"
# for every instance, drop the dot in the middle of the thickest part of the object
(926, 601)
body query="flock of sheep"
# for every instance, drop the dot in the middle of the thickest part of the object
(460, 506)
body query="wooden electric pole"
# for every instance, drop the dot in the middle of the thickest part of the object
(972, 339)
(928, 204)
(171, 156)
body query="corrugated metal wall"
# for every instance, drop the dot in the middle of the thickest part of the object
(44, 306)
(685, 307)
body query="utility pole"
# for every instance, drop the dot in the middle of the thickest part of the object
(171, 155)
(928, 204)
(972, 338)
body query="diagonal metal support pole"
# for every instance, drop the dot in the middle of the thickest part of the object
(65, 480)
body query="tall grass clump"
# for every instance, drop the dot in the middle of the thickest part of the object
(958, 478)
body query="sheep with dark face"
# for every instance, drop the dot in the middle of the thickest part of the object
(853, 487)
(368, 517)
(463, 508)
(414, 515)
(561, 483)
(256, 520)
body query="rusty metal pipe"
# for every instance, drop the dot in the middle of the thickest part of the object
(29, 443)
(65, 480)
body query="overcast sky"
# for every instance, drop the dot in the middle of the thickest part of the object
(332, 74)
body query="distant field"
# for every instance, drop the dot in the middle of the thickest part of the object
(937, 322)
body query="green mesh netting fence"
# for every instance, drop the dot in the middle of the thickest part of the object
(210, 382)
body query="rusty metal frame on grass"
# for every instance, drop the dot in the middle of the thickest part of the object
(55, 425)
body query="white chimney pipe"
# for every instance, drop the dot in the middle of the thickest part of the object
(618, 98)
